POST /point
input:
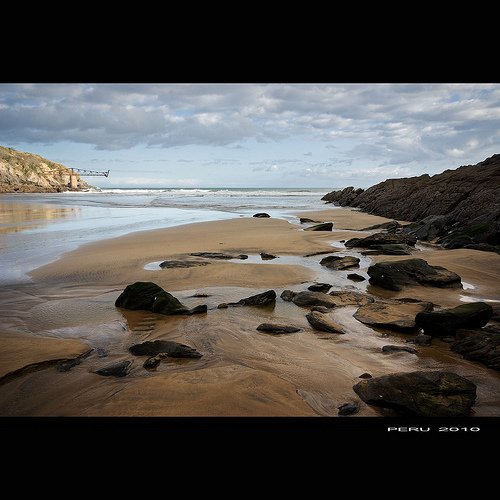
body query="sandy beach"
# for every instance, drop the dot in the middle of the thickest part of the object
(67, 312)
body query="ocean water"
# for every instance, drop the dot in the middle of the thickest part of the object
(36, 228)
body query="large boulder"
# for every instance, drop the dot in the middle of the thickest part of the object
(446, 321)
(411, 272)
(428, 394)
(483, 347)
(145, 295)
(394, 315)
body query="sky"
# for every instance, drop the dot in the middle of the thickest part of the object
(324, 135)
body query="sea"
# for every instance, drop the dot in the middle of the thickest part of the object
(36, 229)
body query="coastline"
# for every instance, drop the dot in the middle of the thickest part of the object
(242, 372)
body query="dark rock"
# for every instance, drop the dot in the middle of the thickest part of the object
(308, 298)
(411, 272)
(447, 321)
(319, 287)
(396, 315)
(218, 255)
(397, 348)
(287, 295)
(267, 256)
(118, 369)
(323, 323)
(484, 347)
(167, 347)
(391, 227)
(382, 239)
(277, 329)
(428, 228)
(421, 339)
(179, 264)
(356, 277)
(389, 249)
(348, 409)
(306, 220)
(339, 263)
(324, 226)
(152, 362)
(262, 215)
(150, 297)
(429, 394)
(261, 299)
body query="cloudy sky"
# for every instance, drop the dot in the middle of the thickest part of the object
(253, 135)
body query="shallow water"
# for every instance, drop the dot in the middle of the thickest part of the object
(322, 367)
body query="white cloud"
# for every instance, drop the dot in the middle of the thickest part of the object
(392, 125)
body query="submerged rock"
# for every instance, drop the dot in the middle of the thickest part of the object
(447, 321)
(118, 369)
(176, 264)
(429, 394)
(167, 347)
(411, 272)
(219, 255)
(150, 297)
(277, 329)
(398, 348)
(339, 263)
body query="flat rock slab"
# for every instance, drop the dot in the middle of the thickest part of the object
(181, 264)
(396, 315)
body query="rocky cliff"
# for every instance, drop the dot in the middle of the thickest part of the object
(30, 173)
(463, 205)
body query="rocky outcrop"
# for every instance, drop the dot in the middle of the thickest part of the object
(428, 394)
(466, 197)
(29, 173)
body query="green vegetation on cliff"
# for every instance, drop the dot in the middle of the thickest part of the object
(27, 172)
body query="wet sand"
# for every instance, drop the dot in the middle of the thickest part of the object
(68, 311)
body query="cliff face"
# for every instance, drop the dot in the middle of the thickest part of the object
(30, 173)
(467, 197)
